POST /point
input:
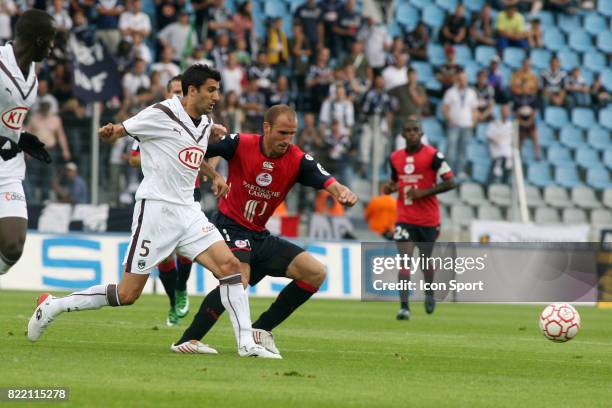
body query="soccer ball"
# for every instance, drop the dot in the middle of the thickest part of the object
(559, 322)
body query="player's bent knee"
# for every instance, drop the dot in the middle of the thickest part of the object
(315, 276)
(230, 266)
(127, 296)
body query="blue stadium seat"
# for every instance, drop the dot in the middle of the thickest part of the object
(407, 16)
(599, 138)
(546, 135)
(436, 54)
(477, 152)
(606, 78)
(527, 152)
(571, 136)
(583, 118)
(604, 41)
(568, 59)
(605, 7)
(275, 8)
(420, 3)
(484, 54)
(594, 23)
(538, 174)
(471, 69)
(448, 5)
(555, 117)
(587, 157)
(568, 22)
(540, 58)
(294, 4)
(595, 61)
(559, 155)
(567, 176)
(432, 128)
(433, 16)
(546, 18)
(463, 54)
(513, 57)
(605, 116)
(506, 73)
(598, 178)
(554, 39)
(480, 172)
(607, 159)
(474, 5)
(588, 76)
(423, 70)
(580, 40)
(433, 85)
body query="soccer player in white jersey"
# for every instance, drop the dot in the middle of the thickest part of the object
(173, 138)
(34, 35)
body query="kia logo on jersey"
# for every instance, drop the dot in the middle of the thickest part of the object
(13, 119)
(264, 179)
(191, 157)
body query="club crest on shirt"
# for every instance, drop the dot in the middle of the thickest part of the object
(241, 243)
(409, 168)
(264, 179)
(268, 165)
(141, 264)
(191, 157)
(13, 118)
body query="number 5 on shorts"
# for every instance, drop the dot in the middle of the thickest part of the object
(144, 248)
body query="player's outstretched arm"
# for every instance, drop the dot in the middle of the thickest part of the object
(219, 186)
(439, 188)
(342, 194)
(111, 132)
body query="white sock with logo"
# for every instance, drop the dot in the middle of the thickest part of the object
(236, 301)
(91, 298)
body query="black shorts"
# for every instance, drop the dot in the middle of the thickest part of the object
(267, 254)
(418, 234)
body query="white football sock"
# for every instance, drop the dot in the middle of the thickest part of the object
(236, 301)
(91, 298)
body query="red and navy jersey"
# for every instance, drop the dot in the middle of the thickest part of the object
(259, 184)
(418, 170)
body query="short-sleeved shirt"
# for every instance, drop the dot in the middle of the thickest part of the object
(310, 19)
(259, 184)
(418, 170)
(17, 95)
(172, 149)
(553, 81)
(514, 25)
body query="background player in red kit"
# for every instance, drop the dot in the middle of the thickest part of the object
(414, 174)
(262, 170)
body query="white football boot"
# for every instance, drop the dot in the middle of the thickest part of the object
(266, 339)
(193, 346)
(257, 351)
(43, 316)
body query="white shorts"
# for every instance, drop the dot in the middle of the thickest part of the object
(13, 201)
(159, 228)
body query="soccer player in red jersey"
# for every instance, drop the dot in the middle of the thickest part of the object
(262, 170)
(414, 175)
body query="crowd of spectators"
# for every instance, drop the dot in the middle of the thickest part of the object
(350, 81)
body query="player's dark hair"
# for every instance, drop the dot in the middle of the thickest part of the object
(179, 78)
(34, 23)
(197, 75)
(277, 110)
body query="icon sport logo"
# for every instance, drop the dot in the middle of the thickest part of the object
(191, 157)
(13, 119)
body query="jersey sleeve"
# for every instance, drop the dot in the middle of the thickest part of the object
(441, 167)
(146, 124)
(393, 171)
(312, 174)
(225, 148)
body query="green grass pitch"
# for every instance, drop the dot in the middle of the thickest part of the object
(336, 353)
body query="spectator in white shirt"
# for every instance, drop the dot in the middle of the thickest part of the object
(45, 96)
(460, 106)
(166, 68)
(7, 10)
(499, 134)
(134, 21)
(135, 79)
(58, 11)
(377, 41)
(231, 76)
(340, 108)
(176, 35)
(140, 49)
(396, 74)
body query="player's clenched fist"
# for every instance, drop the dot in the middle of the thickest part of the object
(347, 198)
(216, 133)
(110, 132)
